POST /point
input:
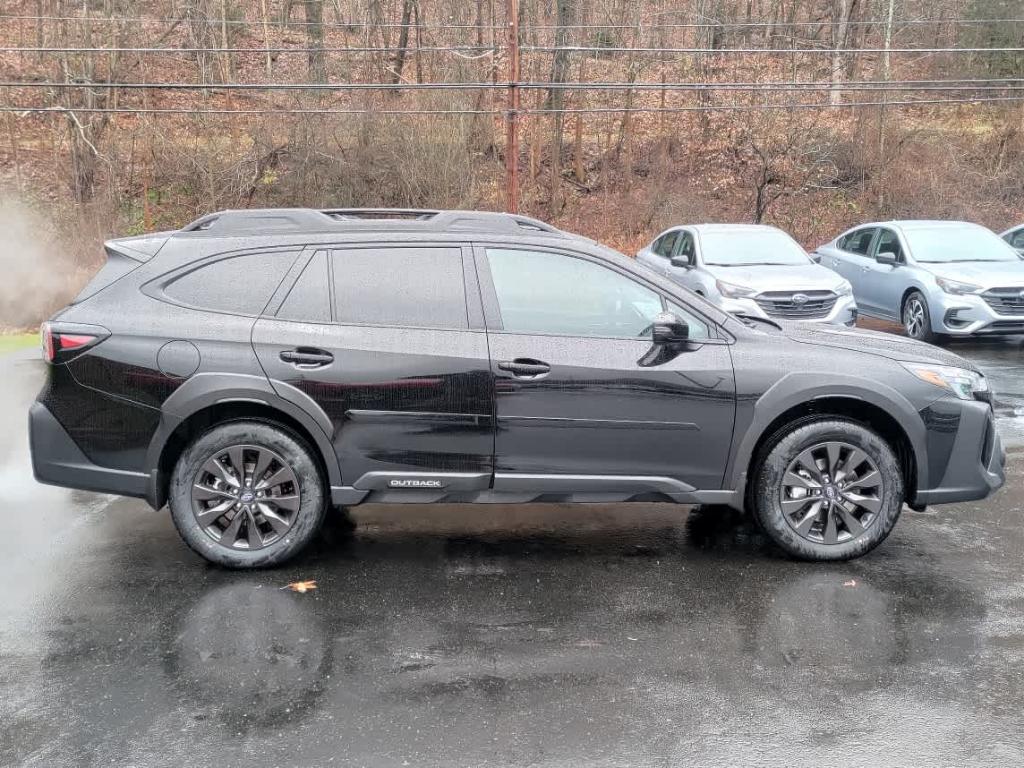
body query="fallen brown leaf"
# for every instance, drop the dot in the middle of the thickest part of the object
(301, 586)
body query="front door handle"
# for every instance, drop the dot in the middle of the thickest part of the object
(524, 367)
(306, 357)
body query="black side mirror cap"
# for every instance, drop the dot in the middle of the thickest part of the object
(669, 329)
(887, 257)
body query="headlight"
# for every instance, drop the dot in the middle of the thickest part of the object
(731, 291)
(844, 289)
(967, 385)
(956, 287)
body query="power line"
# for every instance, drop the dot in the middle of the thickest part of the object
(234, 22)
(488, 49)
(773, 51)
(581, 110)
(794, 85)
(262, 50)
(652, 26)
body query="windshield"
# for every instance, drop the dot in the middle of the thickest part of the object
(943, 245)
(740, 248)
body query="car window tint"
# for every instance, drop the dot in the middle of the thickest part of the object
(667, 244)
(541, 292)
(309, 300)
(858, 242)
(1017, 240)
(889, 241)
(406, 287)
(240, 285)
(698, 328)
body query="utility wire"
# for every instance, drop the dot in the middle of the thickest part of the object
(773, 51)
(525, 27)
(861, 85)
(25, 110)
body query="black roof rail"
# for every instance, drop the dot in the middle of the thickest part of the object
(257, 221)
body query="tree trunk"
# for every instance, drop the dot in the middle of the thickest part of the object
(403, 41)
(317, 62)
(842, 12)
(564, 10)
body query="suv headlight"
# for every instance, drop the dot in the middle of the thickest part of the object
(965, 384)
(956, 287)
(731, 291)
(843, 289)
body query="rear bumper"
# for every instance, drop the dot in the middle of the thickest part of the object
(976, 460)
(57, 460)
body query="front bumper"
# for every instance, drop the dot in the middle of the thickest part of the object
(57, 460)
(966, 459)
(843, 312)
(970, 315)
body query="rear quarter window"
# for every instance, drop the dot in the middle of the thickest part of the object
(237, 285)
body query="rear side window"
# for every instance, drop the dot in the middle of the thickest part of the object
(309, 300)
(1017, 239)
(238, 285)
(412, 287)
(858, 241)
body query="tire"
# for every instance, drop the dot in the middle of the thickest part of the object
(785, 497)
(917, 319)
(256, 528)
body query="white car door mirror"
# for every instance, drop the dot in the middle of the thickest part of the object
(887, 257)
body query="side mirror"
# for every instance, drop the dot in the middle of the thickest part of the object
(669, 329)
(815, 257)
(682, 262)
(887, 257)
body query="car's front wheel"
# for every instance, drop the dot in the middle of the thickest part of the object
(247, 495)
(828, 490)
(917, 319)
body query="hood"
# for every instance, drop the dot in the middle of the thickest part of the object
(993, 274)
(874, 343)
(798, 277)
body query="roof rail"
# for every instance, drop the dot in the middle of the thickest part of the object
(258, 221)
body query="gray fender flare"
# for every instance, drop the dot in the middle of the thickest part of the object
(799, 388)
(206, 389)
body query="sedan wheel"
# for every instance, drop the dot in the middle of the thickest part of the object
(917, 321)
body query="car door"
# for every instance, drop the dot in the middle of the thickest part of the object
(388, 342)
(851, 258)
(882, 286)
(579, 404)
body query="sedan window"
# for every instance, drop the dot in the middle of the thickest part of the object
(858, 242)
(666, 244)
(1017, 238)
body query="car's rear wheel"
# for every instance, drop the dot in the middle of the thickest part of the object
(247, 495)
(828, 490)
(917, 320)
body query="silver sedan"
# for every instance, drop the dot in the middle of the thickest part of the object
(937, 278)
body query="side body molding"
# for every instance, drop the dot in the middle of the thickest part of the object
(207, 389)
(800, 388)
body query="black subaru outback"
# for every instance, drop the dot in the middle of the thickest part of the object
(258, 367)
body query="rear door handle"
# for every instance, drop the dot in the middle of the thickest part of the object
(304, 357)
(524, 367)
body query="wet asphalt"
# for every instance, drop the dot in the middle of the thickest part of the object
(599, 635)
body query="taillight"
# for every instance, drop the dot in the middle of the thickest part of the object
(63, 342)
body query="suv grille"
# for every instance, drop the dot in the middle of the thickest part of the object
(1005, 301)
(781, 304)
